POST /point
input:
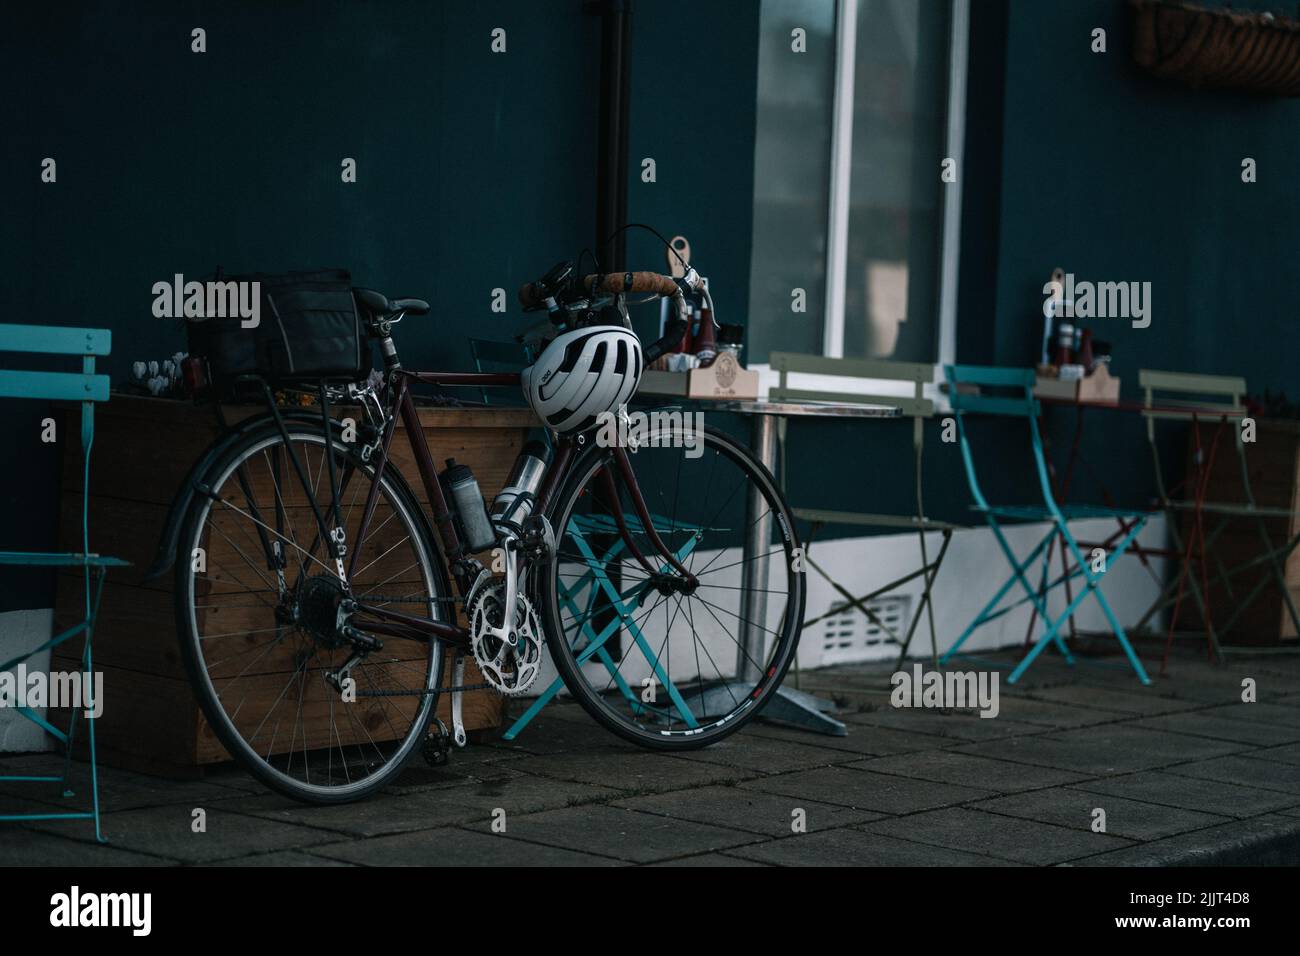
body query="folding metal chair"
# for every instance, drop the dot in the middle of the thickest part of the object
(594, 588)
(87, 388)
(966, 383)
(1166, 396)
(919, 408)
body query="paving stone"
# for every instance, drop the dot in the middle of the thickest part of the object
(1272, 840)
(23, 847)
(949, 724)
(1290, 753)
(862, 790)
(376, 816)
(1116, 701)
(639, 771)
(1279, 714)
(750, 810)
(454, 846)
(527, 793)
(550, 733)
(863, 739)
(855, 848)
(1200, 724)
(973, 831)
(293, 858)
(622, 834)
(767, 755)
(1131, 819)
(165, 831)
(709, 859)
(1050, 714)
(118, 789)
(1114, 748)
(945, 766)
(1264, 774)
(1190, 793)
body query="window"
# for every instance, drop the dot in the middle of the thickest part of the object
(849, 206)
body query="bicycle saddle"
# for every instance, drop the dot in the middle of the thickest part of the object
(380, 304)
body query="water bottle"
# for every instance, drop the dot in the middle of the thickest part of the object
(467, 501)
(516, 500)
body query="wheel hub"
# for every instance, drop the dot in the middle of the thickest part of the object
(318, 610)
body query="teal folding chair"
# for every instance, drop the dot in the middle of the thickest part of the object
(87, 388)
(966, 386)
(594, 587)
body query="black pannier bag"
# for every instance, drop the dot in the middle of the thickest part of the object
(309, 330)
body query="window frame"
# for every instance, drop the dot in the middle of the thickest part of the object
(837, 220)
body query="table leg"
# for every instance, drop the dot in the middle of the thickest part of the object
(786, 705)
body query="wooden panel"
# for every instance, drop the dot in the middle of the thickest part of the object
(1272, 468)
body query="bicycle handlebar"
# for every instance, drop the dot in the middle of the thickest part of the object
(534, 294)
(545, 291)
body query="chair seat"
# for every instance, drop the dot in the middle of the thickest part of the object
(1069, 512)
(52, 560)
(873, 520)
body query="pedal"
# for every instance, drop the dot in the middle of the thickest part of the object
(436, 750)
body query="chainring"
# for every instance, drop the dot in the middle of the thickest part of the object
(511, 669)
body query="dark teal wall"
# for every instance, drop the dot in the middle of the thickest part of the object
(1114, 174)
(476, 171)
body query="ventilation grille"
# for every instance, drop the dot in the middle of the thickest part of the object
(848, 635)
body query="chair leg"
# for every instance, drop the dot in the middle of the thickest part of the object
(1017, 569)
(1121, 637)
(1039, 601)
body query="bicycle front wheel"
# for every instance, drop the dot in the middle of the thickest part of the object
(262, 619)
(663, 665)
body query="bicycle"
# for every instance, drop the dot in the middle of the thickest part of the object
(319, 563)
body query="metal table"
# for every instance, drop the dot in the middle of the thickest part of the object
(787, 705)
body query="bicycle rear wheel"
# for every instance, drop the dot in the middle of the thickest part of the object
(664, 667)
(258, 598)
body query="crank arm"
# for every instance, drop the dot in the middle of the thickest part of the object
(457, 680)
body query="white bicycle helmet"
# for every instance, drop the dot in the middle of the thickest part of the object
(582, 374)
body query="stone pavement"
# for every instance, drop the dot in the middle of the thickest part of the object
(1184, 771)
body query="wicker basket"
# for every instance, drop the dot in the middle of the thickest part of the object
(1254, 52)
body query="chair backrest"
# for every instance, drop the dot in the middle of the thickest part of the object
(85, 387)
(916, 405)
(965, 393)
(1183, 396)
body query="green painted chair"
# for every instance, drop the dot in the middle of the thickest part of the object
(919, 408)
(1182, 397)
(969, 388)
(87, 388)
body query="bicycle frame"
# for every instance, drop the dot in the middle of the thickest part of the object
(396, 397)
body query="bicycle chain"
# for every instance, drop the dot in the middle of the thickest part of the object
(408, 599)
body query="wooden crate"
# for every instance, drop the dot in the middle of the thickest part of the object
(143, 450)
(1273, 465)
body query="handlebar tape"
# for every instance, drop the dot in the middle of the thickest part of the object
(531, 296)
